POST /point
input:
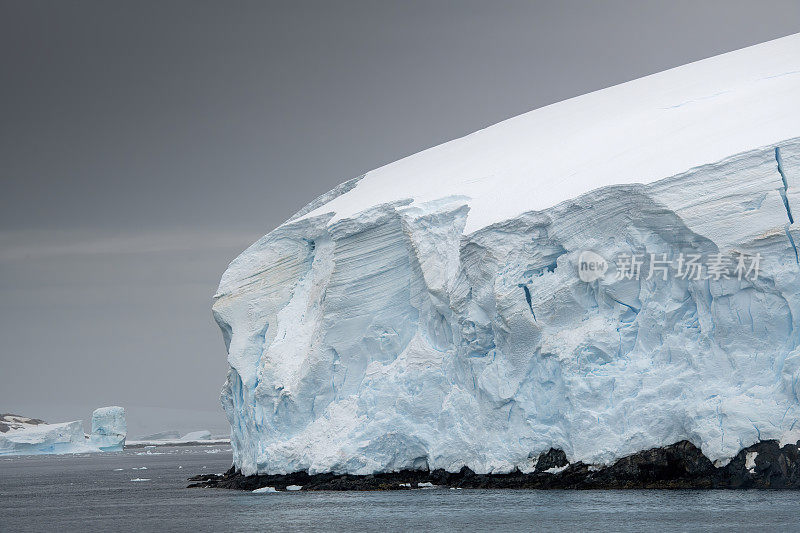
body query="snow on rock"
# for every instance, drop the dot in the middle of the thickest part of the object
(430, 314)
(109, 428)
(750, 461)
(9, 422)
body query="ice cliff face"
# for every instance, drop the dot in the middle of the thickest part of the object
(66, 437)
(430, 314)
(109, 428)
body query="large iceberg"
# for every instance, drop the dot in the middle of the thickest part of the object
(608, 274)
(65, 437)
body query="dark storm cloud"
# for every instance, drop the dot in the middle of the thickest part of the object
(144, 144)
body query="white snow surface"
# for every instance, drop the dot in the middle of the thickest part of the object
(640, 131)
(429, 314)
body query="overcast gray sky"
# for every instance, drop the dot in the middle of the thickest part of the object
(143, 145)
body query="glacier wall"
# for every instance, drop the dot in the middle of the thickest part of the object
(395, 339)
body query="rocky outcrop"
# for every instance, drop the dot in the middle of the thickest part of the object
(764, 465)
(10, 422)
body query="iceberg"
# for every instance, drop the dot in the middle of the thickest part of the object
(609, 274)
(66, 437)
(28, 436)
(109, 428)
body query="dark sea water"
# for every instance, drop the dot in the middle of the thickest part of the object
(91, 493)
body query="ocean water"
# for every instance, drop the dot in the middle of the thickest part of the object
(99, 492)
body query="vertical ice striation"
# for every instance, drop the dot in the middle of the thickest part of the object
(109, 428)
(430, 313)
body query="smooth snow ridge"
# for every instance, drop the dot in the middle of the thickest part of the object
(637, 132)
(430, 314)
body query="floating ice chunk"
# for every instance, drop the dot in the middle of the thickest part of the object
(265, 489)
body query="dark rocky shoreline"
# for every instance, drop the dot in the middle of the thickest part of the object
(678, 466)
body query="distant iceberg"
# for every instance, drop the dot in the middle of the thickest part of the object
(174, 438)
(66, 437)
(193, 436)
(109, 428)
(27, 436)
